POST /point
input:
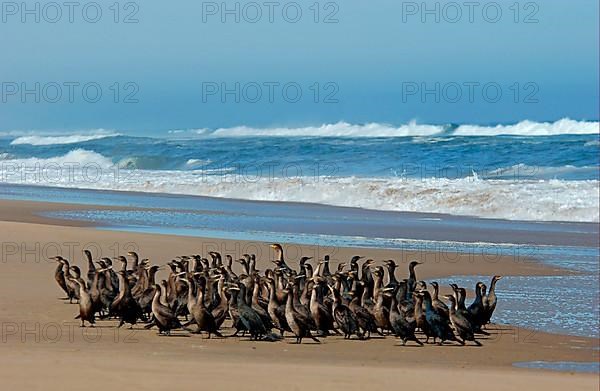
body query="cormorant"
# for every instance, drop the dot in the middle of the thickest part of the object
(164, 317)
(145, 297)
(91, 267)
(59, 276)
(72, 287)
(401, 326)
(219, 312)
(279, 261)
(439, 326)
(344, 316)
(366, 320)
(438, 305)
(86, 312)
(276, 311)
(298, 322)
(489, 301)
(463, 327)
(248, 319)
(124, 306)
(204, 320)
(476, 310)
(420, 320)
(354, 263)
(391, 266)
(380, 311)
(258, 306)
(319, 312)
(412, 278)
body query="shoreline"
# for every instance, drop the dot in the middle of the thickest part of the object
(338, 363)
(299, 218)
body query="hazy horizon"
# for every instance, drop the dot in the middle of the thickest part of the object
(351, 62)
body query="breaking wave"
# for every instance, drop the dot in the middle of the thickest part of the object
(411, 129)
(539, 199)
(340, 129)
(530, 128)
(58, 140)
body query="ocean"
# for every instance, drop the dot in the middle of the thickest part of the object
(525, 171)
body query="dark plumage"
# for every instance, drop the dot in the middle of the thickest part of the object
(412, 278)
(299, 323)
(344, 316)
(247, 318)
(439, 326)
(203, 318)
(420, 320)
(91, 267)
(164, 317)
(124, 306)
(59, 276)
(319, 312)
(401, 326)
(476, 311)
(463, 327)
(366, 320)
(489, 301)
(439, 306)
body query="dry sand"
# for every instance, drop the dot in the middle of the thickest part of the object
(43, 347)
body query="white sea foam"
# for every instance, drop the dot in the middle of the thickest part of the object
(530, 128)
(195, 163)
(344, 129)
(61, 139)
(340, 129)
(593, 143)
(76, 157)
(540, 200)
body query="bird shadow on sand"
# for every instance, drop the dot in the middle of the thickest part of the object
(98, 327)
(454, 345)
(399, 345)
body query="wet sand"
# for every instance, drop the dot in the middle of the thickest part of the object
(43, 347)
(209, 215)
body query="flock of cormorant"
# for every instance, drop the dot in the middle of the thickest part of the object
(310, 302)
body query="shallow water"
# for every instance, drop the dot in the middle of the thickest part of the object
(556, 304)
(562, 366)
(560, 304)
(204, 215)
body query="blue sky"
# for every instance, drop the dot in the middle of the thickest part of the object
(368, 64)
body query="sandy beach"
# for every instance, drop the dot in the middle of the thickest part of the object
(44, 347)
